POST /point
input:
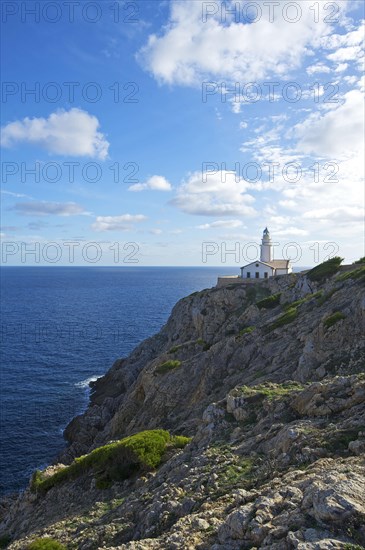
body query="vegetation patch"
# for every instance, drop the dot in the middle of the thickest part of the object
(288, 317)
(339, 440)
(174, 349)
(325, 269)
(358, 273)
(246, 330)
(116, 461)
(360, 261)
(333, 319)
(167, 366)
(203, 343)
(256, 292)
(234, 474)
(296, 303)
(269, 302)
(46, 543)
(269, 390)
(325, 297)
(5, 540)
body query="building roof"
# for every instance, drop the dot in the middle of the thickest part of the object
(279, 264)
(259, 262)
(275, 264)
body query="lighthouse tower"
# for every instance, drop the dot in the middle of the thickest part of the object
(266, 247)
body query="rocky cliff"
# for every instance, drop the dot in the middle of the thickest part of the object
(268, 381)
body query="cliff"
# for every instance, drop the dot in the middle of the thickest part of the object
(268, 381)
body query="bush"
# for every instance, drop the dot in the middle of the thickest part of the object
(270, 390)
(354, 274)
(167, 366)
(115, 461)
(288, 317)
(333, 319)
(296, 303)
(270, 302)
(174, 349)
(46, 543)
(203, 343)
(360, 261)
(325, 269)
(179, 441)
(246, 330)
(5, 540)
(325, 297)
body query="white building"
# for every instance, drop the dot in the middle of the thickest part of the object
(266, 266)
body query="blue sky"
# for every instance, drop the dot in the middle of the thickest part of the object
(174, 124)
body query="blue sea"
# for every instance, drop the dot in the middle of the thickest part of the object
(62, 327)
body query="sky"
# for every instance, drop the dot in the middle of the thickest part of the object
(172, 133)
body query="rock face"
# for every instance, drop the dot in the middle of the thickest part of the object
(275, 405)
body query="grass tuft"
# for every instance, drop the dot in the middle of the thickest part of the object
(333, 319)
(46, 543)
(288, 317)
(269, 390)
(358, 273)
(246, 330)
(325, 269)
(5, 540)
(167, 366)
(270, 302)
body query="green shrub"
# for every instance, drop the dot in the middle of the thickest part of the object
(354, 274)
(325, 269)
(360, 261)
(333, 319)
(203, 343)
(316, 295)
(270, 390)
(325, 297)
(246, 330)
(270, 302)
(296, 303)
(5, 540)
(179, 441)
(115, 461)
(288, 317)
(46, 543)
(167, 366)
(174, 349)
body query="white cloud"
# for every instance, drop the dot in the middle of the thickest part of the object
(155, 231)
(350, 53)
(318, 68)
(243, 125)
(43, 208)
(288, 204)
(341, 67)
(337, 133)
(189, 51)
(221, 223)
(17, 195)
(218, 193)
(74, 133)
(117, 223)
(338, 215)
(154, 183)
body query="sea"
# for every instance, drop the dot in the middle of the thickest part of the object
(62, 327)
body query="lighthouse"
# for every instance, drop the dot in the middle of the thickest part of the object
(266, 247)
(264, 268)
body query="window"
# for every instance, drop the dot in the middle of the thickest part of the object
(266, 274)
(257, 265)
(257, 275)
(248, 275)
